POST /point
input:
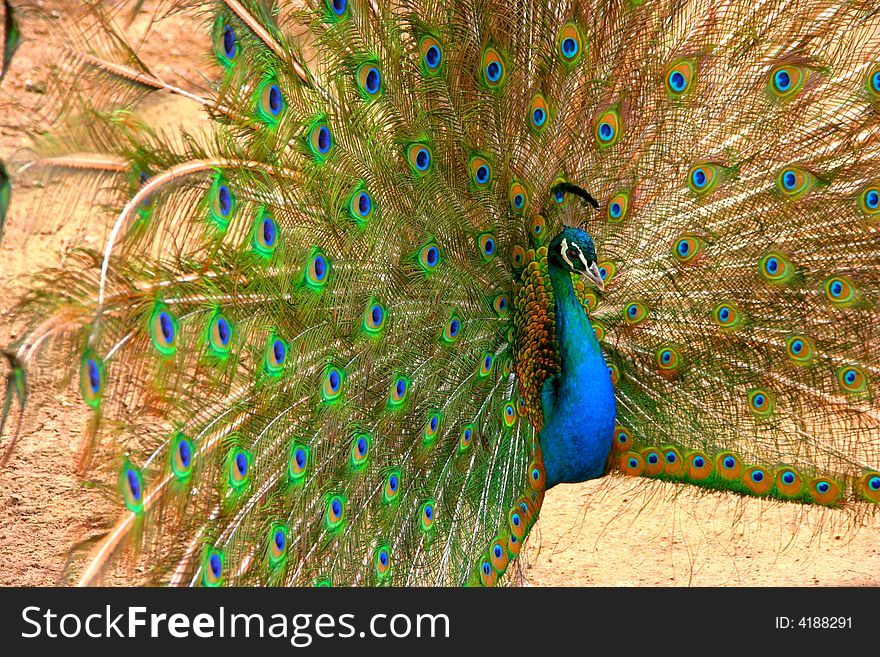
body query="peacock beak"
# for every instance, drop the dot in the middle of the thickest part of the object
(592, 273)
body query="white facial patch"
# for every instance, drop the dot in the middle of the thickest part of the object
(580, 254)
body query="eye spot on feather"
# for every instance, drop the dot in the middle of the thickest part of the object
(265, 234)
(728, 466)
(360, 449)
(333, 382)
(539, 113)
(776, 268)
(382, 562)
(758, 480)
(761, 403)
(688, 249)
(369, 80)
(508, 415)
(277, 545)
(451, 330)
(569, 44)
(493, 68)
(131, 485)
(787, 80)
(239, 469)
(298, 464)
(519, 197)
(334, 513)
(338, 7)
(481, 172)
(219, 335)
(392, 486)
(618, 207)
(320, 140)
(788, 482)
(270, 102)
(800, 349)
(703, 178)
(163, 330)
(419, 157)
(222, 203)
(680, 77)
(276, 355)
(225, 42)
(795, 182)
(727, 315)
(636, 312)
(852, 379)
(212, 568)
(537, 476)
(840, 291)
(668, 359)
(824, 491)
(399, 392)
(538, 228)
(374, 318)
(466, 438)
(622, 439)
(427, 516)
(181, 457)
(869, 201)
(431, 54)
(607, 128)
(318, 270)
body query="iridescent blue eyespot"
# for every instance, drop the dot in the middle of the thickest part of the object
(729, 462)
(432, 57)
(373, 80)
(872, 199)
(569, 47)
(454, 327)
(782, 80)
(482, 174)
(757, 476)
(874, 482)
(699, 462)
(539, 116)
(677, 81)
(875, 82)
(653, 458)
(823, 487)
(671, 457)
(324, 140)
(789, 180)
(615, 210)
(224, 200)
(788, 477)
(339, 6)
(276, 103)
(423, 159)
(772, 265)
(698, 178)
(493, 71)
(230, 46)
(606, 131)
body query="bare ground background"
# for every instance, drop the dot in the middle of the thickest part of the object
(617, 532)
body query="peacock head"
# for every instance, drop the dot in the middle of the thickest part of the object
(573, 250)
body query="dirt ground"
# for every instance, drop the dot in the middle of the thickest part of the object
(618, 532)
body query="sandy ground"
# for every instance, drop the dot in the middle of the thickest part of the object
(618, 532)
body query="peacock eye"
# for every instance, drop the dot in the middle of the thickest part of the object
(573, 254)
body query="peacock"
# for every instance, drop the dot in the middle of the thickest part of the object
(419, 261)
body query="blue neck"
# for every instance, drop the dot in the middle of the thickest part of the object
(579, 407)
